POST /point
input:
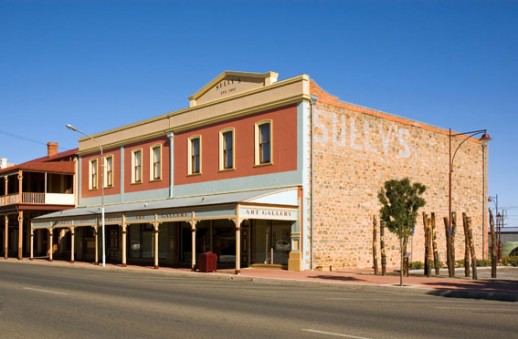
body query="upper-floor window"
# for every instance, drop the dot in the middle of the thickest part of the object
(156, 162)
(194, 154)
(226, 149)
(263, 142)
(136, 166)
(92, 182)
(108, 171)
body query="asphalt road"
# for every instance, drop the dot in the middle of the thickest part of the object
(59, 302)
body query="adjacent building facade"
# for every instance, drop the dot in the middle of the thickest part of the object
(260, 172)
(32, 189)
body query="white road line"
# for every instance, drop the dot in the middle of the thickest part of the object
(333, 334)
(44, 291)
(385, 299)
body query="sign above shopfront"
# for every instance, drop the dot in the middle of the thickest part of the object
(267, 213)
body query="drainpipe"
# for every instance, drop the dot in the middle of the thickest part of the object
(171, 164)
(313, 101)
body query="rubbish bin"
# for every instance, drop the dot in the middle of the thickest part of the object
(207, 262)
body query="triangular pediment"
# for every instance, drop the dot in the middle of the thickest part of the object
(229, 83)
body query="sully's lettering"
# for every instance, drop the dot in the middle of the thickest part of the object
(343, 131)
(224, 87)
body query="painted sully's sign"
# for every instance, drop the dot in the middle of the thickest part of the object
(379, 137)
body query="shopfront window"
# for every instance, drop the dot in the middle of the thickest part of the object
(270, 242)
(142, 244)
(225, 241)
(186, 242)
(218, 236)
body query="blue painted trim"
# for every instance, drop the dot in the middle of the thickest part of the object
(283, 179)
(161, 194)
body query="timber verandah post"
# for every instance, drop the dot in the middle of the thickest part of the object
(6, 222)
(155, 233)
(124, 238)
(96, 245)
(51, 242)
(31, 245)
(72, 244)
(237, 221)
(193, 223)
(6, 237)
(20, 235)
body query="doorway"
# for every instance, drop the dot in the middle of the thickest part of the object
(270, 242)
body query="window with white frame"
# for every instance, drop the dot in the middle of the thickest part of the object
(226, 149)
(156, 162)
(263, 142)
(194, 155)
(108, 171)
(136, 166)
(92, 182)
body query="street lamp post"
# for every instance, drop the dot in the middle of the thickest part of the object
(498, 218)
(484, 138)
(72, 128)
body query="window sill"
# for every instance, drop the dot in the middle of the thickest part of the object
(226, 170)
(264, 165)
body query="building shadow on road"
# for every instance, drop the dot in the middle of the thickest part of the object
(500, 290)
(334, 277)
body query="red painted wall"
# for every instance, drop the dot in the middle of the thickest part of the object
(284, 154)
(284, 122)
(146, 184)
(85, 163)
(128, 186)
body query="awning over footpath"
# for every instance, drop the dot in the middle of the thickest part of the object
(272, 204)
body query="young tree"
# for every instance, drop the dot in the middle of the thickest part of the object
(400, 200)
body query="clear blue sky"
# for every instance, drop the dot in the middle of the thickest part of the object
(104, 64)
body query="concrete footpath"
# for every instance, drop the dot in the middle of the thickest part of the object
(504, 287)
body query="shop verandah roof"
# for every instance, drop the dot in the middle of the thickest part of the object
(279, 198)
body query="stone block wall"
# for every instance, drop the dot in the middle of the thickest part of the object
(356, 150)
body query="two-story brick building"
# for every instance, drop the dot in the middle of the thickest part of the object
(261, 171)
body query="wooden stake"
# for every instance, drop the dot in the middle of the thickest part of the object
(429, 245)
(452, 239)
(436, 260)
(427, 268)
(448, 243)
(374, 242)
(472, 249)
(382, 249)
(466, 246)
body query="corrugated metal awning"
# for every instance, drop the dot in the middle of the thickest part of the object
(207, 206)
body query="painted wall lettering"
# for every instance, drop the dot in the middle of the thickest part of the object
(345, 131)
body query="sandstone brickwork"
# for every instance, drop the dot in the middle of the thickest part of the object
(356, 150)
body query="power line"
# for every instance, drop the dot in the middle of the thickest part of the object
(21, 137)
